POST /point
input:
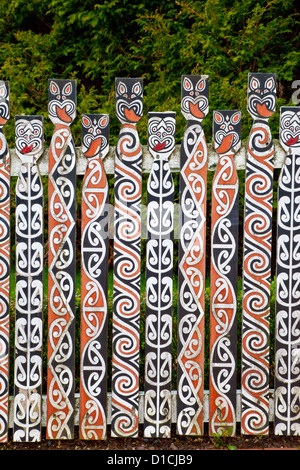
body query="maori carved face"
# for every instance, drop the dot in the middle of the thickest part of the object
(227, 131)
(261, 95)
(161, 134)
(62, 101)
(194, 96)
(95, 134)
(289, 132)
(29, 136)
(4, 102)
(129, 99)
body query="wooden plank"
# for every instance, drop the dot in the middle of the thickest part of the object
(191, 257)
(287, 332)
(223, 275)
(94, 279)
(29, 136)
(127, 239)
(257, 256)
(61, 260)
(159, 278)
(147, 159)
(4, 261)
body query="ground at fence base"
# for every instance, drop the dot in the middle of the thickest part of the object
(175, 443)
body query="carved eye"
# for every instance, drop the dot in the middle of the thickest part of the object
(137, 89)
(3, 91)
(103, 121)
(200, 85)
(218, 118)
(187, 84)
(235, 118)
(270, 84)
(122, 88)
(86, 122)
(54, 89)
(254, 84)
(67, 90)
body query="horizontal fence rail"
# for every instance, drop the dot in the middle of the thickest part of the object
(151, 400)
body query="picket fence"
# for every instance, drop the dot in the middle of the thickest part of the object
(126, 409)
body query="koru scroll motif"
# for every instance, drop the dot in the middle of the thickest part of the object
(287, 345)
(127, 240)
(94, 274)
(4, 260)
(61, 260)
(29, 137)
(159, 278)
(223, 284)
(191, 257)
(257, 256)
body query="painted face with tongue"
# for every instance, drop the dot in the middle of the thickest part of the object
(29, 136)
(289, 129)
(227, 131)
(62, 101)
(129, 100)
(161, 134)
(261, 95)
(95, 135)
(194, 96)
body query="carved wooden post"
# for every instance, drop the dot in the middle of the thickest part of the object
(61, 281)
(192, 244)
(224, 264)
(29, 281)
(287, 347)
(257, 256)
(159, 278)
(127, 238)
(4, 261)
(94, 274)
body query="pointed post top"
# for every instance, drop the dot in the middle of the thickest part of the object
(194, 96)
(95, 135)
(29, 137)
(227, 131)
(62, 101)
(129, 100)
(261, 96)
(289, 128)
(161, 134)
(4, 102)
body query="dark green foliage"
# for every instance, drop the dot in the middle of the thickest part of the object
(158, 40)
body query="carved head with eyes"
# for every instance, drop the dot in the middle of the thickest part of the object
(29, 136)
(62, 101)
(194, 96)
(129, 99)
(4, 102)
(289, 131)
(95, 134)
(227, 131)
(161, 134)
(261, 95)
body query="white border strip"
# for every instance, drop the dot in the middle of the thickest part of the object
(109, 161)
